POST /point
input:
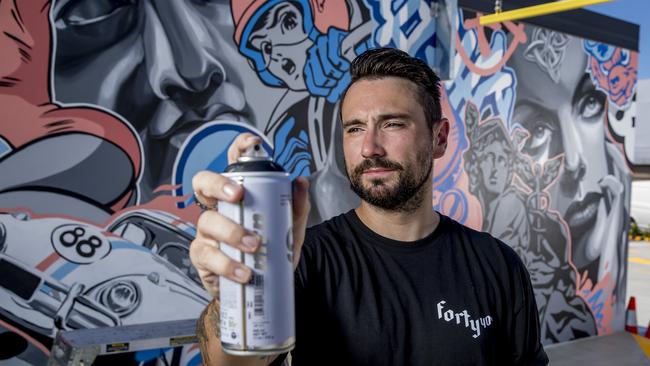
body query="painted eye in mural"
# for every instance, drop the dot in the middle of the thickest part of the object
(83, 12)
(267, 48)
(592, 104)
(541, 134)
(289, 21)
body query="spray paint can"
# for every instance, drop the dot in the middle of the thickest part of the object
(258, 318)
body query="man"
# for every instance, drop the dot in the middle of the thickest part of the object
(391, 282)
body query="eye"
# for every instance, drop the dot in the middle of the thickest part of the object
(289, 21)
(540, 142)
(83, 12)
(393, 124)
(540, 134)
(87, 27)
(353, 130)
(591, 105)
(267, 48)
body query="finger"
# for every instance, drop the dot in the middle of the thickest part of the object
(323, 54)
(242, 143)
(338, 90)
(210, 262)
(211, 187)
(311, 81)
(611, 183)
(317, 67)
(334, 51)
(301, 208)
(214, 226)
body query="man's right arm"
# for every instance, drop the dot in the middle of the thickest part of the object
(207, 330)
(214, 230)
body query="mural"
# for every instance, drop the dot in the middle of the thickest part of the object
(110, 107)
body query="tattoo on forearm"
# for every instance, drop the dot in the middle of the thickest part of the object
(206, 328)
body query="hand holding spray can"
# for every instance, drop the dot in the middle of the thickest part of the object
(258, 318)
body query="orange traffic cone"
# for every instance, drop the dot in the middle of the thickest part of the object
(630, 317)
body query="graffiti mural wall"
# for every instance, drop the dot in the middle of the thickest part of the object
(111, 106)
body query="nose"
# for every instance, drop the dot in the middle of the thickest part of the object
(177, 47)
(574, 165)
(372, 146)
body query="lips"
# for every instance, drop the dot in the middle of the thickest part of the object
(378, 171)
(581, 215)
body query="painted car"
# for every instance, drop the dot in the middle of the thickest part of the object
(60, 273)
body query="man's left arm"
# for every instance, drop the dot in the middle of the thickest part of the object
(525, 332)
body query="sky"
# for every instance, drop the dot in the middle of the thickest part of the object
(633, 11)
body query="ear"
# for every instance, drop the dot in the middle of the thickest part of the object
(440, 138)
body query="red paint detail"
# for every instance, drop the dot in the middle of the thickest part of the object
(47, 262)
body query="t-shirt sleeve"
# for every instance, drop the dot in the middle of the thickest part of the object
(305, 264)
(525, 329)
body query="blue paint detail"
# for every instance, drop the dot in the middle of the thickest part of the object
(417, 35)
(396, 5)
(292, 152)
(5, 148)
(207, 149)
(64, 270)
(195, 361)
(600, 51)
(409, 26)
(44, 288)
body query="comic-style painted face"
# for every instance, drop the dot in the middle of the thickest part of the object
(565, 115)
(167, 66)
(280, 38)
(493, 166)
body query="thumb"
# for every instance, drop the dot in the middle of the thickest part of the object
(301, 207)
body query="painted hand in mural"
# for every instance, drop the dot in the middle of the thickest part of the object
(213, 228)
(326, 71)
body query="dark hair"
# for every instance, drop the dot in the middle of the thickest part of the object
(380, 63)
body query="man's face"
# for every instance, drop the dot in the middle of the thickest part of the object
(494, 166)
(566, 118)
(283, 44)
(166, 66)
(388, 146)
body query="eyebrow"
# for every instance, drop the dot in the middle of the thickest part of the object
(381, 117)
(275, 15)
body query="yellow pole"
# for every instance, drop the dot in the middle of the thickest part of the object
(537, 10)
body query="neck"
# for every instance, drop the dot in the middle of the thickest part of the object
(402, 225)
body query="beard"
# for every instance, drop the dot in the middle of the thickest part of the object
(406, 195)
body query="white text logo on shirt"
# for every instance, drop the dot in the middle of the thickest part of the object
(463, 318)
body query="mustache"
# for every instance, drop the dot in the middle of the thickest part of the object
(376, 163)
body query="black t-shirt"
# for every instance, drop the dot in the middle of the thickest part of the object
(455, 297)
